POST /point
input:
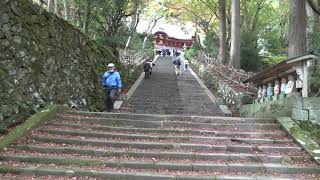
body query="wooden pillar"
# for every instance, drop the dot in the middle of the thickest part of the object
(305, 79)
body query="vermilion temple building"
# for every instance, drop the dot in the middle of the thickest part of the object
(163, 41)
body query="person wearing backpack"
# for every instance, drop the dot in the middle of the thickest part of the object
(151, 65)
(111, 81)
(177, 64)
(146, 69)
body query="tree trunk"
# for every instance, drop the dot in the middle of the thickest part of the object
(283, 22)
(228, 12)
(56, 11)
(223, 32)
(144, 41)
(297, 28)
(147, 34)
(235, 34)
(65, 4)
(133, 26)
(86, 17)
(49, 5)
(196, 39)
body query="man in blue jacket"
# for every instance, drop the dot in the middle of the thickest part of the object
(111, 81)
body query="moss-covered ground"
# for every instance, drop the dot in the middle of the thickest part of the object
(31, 123)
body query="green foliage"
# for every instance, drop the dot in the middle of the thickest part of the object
(313, 43)
(249, 51)
(264, 33)
(313, 39)
(314, 81)
(148, 49)
(136, 43)
(211, 43)
(271, 43)
(273, 59)
(189, 53)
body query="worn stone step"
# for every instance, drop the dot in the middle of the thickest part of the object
(175, 112)
(77, 172)
(172, 107)
(194, 100)
(196, 119)
(107, 174)
(164, 99)
(163, 165)
(218, 133)
(166, 106)
(193, 156)
(157, 145)
(160, 93)
(190, 139)
(173, 124)
(157, 116)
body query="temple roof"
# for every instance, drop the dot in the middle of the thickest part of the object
(173, 31)
(165, 35)
(279, 68)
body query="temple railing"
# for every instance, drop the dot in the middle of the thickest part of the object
(132, 58)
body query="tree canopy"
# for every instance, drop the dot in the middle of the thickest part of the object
(264, 24)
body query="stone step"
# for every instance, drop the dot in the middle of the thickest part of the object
(192, 156)
(178, 105)
(166, 108)
(184, 91)
(163, 117)
(267, 134)
(195, 119)
(163, 165)
(125, 174)
(173, 124)
(186, 103)
(175, 112)
(170, 108)
(160, 93)
(163, 100)
(86, 145)
(168, 145)
(191, 139)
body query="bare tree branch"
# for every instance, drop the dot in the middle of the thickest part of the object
(214, 11)
(314, 6)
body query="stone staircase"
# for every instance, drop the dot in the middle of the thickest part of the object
(179, 134)
(165, 93)
(85, 145)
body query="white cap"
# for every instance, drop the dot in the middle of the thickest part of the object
(111, 65)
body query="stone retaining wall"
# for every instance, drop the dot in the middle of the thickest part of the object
(45, 60)
(298, 108)
(307, 109)
(305, 112)
(269, 109)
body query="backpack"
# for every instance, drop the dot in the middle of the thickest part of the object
(146, 66)
(177, 61)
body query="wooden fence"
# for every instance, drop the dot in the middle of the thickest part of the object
(132, 58)
(233, 77)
